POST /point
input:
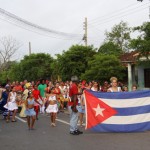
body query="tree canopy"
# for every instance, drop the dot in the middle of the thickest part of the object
(109, 48)
(32, 67)
(119, 35)
(74, 61)
(142, 42)
(102, 67)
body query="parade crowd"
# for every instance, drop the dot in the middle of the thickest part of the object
(28, 99)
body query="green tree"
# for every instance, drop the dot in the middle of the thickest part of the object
(142, 42)
(120, 35)
(74, 61)
(4, 75)
(15, 73)
(109, 48)
(55, 67)
(102, 67)
(32, 67)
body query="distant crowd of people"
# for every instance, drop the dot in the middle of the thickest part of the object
(45, 96)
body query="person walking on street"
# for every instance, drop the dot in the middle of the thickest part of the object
(52, 107)
(41, 88)
(11, 105)
(31, 114)
(38, 100)
(72, 106)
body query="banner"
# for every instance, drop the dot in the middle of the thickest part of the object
(117, 111)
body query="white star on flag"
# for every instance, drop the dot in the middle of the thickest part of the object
(99, 110)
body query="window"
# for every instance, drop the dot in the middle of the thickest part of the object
(147, 78)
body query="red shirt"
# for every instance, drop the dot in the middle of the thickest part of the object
(73, 90)
(18, 88)
(36, 94)
(48, 90)
(57, 91)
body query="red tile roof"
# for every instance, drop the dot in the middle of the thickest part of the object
(129, 57)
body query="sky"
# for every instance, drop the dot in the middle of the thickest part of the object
(67, 16)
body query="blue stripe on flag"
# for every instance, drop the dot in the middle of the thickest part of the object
(121, 95)
(132, 110)
(138, 127)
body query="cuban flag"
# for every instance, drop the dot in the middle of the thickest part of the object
(117, 111)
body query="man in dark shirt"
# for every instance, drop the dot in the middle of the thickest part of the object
(4, 98)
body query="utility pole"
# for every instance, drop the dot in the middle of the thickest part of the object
(85, 33)
(149, 11)
(29, 48)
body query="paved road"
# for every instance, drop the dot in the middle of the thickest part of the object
(15, 136)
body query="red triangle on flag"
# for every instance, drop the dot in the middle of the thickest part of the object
(96, 110)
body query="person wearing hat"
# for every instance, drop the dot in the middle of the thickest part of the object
(72, 106)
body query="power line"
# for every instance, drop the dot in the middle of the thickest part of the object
(119, 16)
(80, 42)
(114, 16)
(97, 29)
(94, 20)
(37, 32)
(23, 22)
(94, 26)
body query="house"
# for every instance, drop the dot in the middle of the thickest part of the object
(137, 74)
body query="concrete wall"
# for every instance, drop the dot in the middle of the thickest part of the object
(141, 77)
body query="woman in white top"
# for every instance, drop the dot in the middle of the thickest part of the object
(114, 85)
(95, 86)
(52, 107)
(11, 105)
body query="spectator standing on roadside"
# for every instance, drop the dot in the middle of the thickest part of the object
(114, 85)
(105, 87)
(95, 86)
(42, 87)
(134, 88)
(125, 89)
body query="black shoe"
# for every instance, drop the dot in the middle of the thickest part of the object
(79, 132)
(74, 133)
